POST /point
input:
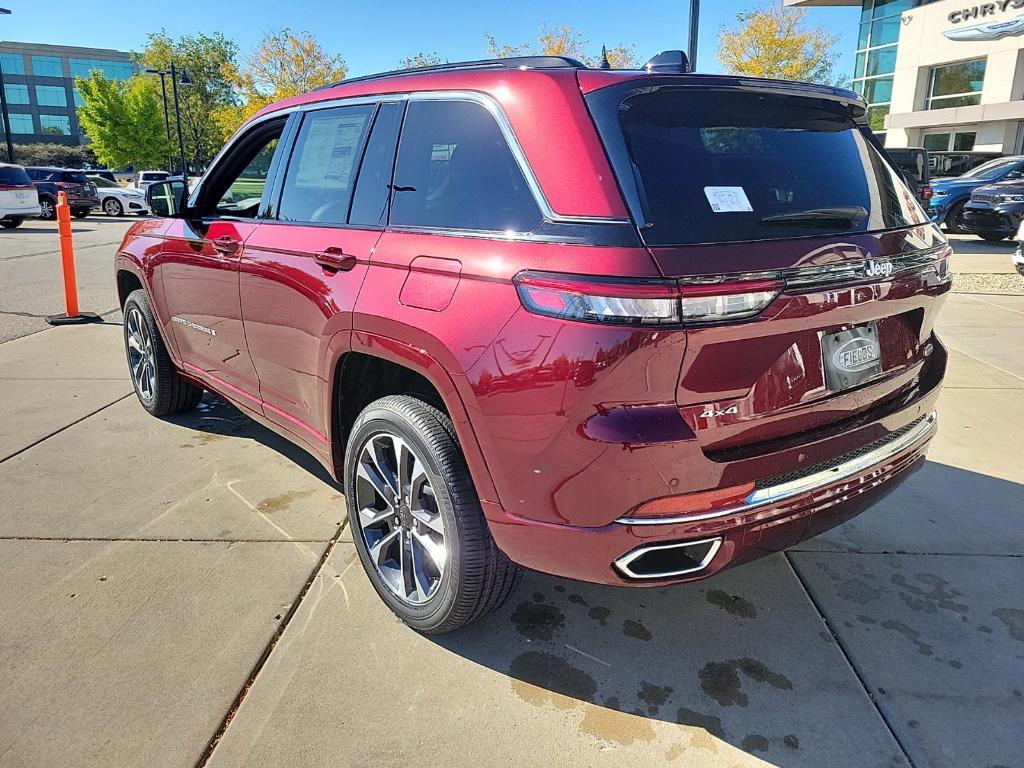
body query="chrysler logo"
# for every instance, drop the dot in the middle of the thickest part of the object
(878, 268)
(856, 355)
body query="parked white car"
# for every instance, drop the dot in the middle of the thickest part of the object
(18, 197)
(144, 179)
(116, 200)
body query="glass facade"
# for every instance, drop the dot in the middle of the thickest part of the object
(21, 123)
(57, 125)
(51, 96)
(47, 66)
(956, 85)
(16, 93)
(876, 56)
(112, 70)
(12, 63)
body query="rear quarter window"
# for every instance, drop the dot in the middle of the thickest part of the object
(71, 178)
(723, 166)
(13, 175)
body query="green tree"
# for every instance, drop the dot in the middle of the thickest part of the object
(776, 42)
(60, 155)
(209, 61)
(124, 120)
(564, 41)
(421, 59)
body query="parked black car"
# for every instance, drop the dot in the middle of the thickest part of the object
(82, 195)
(914, 162)
(995, 212)
(950, 164)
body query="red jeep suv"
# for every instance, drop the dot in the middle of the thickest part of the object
(627, 327)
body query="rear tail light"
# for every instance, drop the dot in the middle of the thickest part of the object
(617, 301)
(927, 193)
(12, 187)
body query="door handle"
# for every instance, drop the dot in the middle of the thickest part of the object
(226, 244)
(335, 259)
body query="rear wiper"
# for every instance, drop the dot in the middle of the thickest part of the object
(848, 214)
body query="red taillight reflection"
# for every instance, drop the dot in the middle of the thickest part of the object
(695, 503)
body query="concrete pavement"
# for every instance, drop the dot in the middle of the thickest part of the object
(167, 602)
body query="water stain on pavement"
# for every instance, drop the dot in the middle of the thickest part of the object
(938, 595)
(754, 742)
(636, 629)
(654, 696)
(282, 501)
(537, 621)
(910, 633)
(579, 600)
(1013, 618)
(732, 604)
(600, 614)
(721, 681)
(853, 588)
(709, 723)
(543, 678)
(613, 726)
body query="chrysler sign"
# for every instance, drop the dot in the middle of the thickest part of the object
(991, 26)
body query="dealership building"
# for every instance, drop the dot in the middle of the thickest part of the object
(40, 87)
(944, 74)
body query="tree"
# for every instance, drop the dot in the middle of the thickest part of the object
(208, 60)
(59, 155)
(776, 42)
(283, 64)
(420, 60)
(124, 120)
(563, 41)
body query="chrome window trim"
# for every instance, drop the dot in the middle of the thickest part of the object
(627, 559)
(476, 97)
(773, 494)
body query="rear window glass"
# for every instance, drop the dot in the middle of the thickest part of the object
(70, 177)
(719, 166)
(12, 174)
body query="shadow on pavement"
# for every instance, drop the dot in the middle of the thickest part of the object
(219, 417)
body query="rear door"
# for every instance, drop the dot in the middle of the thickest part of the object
(304, 264)
(809, 274)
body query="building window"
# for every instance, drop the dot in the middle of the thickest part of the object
(47, 66)
(21, 123)
(876, 55)
(51, 96)
(16, 93)
(79, 101)
(55, 125)
(12, 63)
(949, 141)
(111, 70)
(956, 85)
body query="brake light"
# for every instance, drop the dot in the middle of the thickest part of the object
(927, 193)
(11, 187)
(623, 301)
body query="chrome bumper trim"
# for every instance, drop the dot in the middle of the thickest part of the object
(776, 493)
(627, 559)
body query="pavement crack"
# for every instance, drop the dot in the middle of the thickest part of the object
(34, 443)
(853, 667)
(268, 650)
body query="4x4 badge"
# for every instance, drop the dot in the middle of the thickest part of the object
(878, 268)
(711, 412)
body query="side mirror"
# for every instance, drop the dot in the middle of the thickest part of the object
(167, 198)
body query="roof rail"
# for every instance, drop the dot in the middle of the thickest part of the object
(511, 62)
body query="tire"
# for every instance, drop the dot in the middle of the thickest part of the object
(953, 216)
(476, 578)
(158, 385)
(47, 208)
(10, 223)
(112, 207)
(992, 237)
(79, 213)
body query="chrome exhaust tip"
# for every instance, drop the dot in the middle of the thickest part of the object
(666, 561)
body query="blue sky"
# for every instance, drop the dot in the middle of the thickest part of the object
(374, 36)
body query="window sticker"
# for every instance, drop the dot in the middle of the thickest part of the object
(728, 199)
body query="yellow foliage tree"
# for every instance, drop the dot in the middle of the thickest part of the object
(421, 59)
(776, 42)
(283, 64)
(563, 41)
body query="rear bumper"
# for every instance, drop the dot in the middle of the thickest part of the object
(780, 516)
(20, 212)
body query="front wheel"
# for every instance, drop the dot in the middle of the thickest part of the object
(416, 519)
(112, 207)
(10, 223)
(158, 385)
(79, 213)
(955, 219)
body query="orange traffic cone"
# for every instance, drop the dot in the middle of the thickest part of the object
(67, 260)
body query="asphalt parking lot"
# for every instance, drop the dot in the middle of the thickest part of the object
(184, 593)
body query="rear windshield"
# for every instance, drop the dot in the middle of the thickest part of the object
(724, 166)
(13, 174)
(72, 177)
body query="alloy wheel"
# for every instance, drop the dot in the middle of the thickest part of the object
(112, 207)
(141, 357)
(399, 518)
(46, 209)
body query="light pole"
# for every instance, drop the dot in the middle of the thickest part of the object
(3, 105)
(694, 29)
(185, 80)
(163, 97)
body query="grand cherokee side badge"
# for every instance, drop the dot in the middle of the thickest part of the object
(193, 326)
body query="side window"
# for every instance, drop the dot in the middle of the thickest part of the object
(247, 188)
(318, 185)
(373, 187)
(456, 171)
(235, 185)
